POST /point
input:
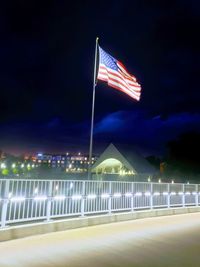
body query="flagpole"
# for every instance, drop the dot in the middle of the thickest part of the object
(92, 117)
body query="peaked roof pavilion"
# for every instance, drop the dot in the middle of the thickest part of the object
(113, 160)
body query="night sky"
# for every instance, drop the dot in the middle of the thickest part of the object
(46, 73)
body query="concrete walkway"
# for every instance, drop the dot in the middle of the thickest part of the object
(161, 241)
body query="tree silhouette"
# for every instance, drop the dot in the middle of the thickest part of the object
(184, 155)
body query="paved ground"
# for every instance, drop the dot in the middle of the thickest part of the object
(162, 241)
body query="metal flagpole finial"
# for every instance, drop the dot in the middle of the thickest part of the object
(97, 39)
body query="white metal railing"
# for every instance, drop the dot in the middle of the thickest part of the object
(34, 200)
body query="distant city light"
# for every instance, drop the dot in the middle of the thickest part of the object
(3, 165)
(13, 165)
(72, 163)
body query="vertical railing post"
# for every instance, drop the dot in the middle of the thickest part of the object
(168, 195)
(5, 204)
(196, 196)
(110, 198)
(132, 197)
(49, 200)
(83, 200)
(151, 196)
(183, 196)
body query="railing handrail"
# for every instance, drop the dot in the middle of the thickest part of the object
(22, 200)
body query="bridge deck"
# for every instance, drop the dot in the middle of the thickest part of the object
(161, 241)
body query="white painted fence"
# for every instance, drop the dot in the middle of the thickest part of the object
(36, 200)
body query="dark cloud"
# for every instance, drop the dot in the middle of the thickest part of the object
(149, 134)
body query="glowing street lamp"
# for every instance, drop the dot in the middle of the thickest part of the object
(3, 165)
(13, 165)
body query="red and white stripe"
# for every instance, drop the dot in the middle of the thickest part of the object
(120, 80)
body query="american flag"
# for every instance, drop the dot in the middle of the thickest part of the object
(115, 74)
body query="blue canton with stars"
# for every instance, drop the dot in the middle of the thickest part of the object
(107, 60)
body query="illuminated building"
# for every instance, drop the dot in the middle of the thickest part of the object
(68, 162)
